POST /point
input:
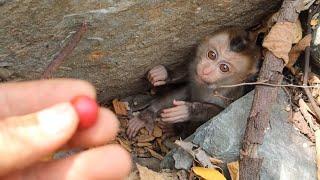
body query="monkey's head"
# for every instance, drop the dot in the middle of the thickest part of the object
(227, 57)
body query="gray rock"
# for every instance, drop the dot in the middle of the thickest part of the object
(124, 40)
(287, 154)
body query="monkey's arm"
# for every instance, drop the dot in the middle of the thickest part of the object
(147, 117)
(190, 111)
(161, 75)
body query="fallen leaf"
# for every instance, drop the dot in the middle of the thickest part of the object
(204, 159)
(124, 144)
(134, 175)
(163, 148)
(302, 125)
(314, 22)
(304, 108)
(233, 168)
(215, 160)
(120, 108)
(155, 154)
(157, 132)
(187, 146)
(144, 144)
(208, 173)
(147, 174)
(145, 138)
(314, 80)
(144, 131)
(280, 39)
(297, 50)
(317, 135)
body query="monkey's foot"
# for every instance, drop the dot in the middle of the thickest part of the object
(135, 125)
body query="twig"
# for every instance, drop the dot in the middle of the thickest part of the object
(268, 84)
(314, 105)
(65, 52)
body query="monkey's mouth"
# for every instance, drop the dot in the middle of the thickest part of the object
(203, 80)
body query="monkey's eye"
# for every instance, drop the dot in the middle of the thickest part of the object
(224, 67)
(212, 55)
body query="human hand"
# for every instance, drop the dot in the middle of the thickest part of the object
(36, 119)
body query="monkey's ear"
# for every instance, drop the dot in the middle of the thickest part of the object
(239, 43)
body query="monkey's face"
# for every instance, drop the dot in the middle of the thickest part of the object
(218, 62)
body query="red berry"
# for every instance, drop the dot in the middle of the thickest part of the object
(87, 110)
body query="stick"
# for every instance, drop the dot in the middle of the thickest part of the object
(264, 97)
(65, 52)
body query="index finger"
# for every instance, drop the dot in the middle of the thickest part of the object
(27, 97)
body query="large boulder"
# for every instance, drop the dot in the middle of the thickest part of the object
(125, 38)
(286, 153)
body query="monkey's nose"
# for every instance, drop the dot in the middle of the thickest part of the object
(206, 70)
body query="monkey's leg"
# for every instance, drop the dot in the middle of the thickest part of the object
(148, 116)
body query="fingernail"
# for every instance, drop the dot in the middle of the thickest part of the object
(57, 118)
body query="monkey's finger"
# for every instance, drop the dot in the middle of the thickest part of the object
(26, 139)
(181, 111)
(175, 119)
(103, 131)
(159, 83)
(134, 126)
(153, 71)
(159, 76)
(158, 68)
(107, 162)
(173, 109)
(178, 103)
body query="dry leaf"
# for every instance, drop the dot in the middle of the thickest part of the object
(314, 80)
(204, 159)
(280, 39)
(233, 168)
(304, 108)
(120, 108)
(314, 22)
(302, 125)
(187, 146)
(147, 174)
(157, 132)
(215, 160)
(317, 134)
(145, 138)
(297, 50)
(208, 173)
(163, 148)
(125, 144)
(133, 176)
(145, 144)
(155, 154)
(144, 131)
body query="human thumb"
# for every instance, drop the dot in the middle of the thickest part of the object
(27, 139)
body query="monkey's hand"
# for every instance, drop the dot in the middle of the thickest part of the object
(145, 119)
(158, 75)
(179, 113)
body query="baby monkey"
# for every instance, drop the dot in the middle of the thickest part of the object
(227, 57)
